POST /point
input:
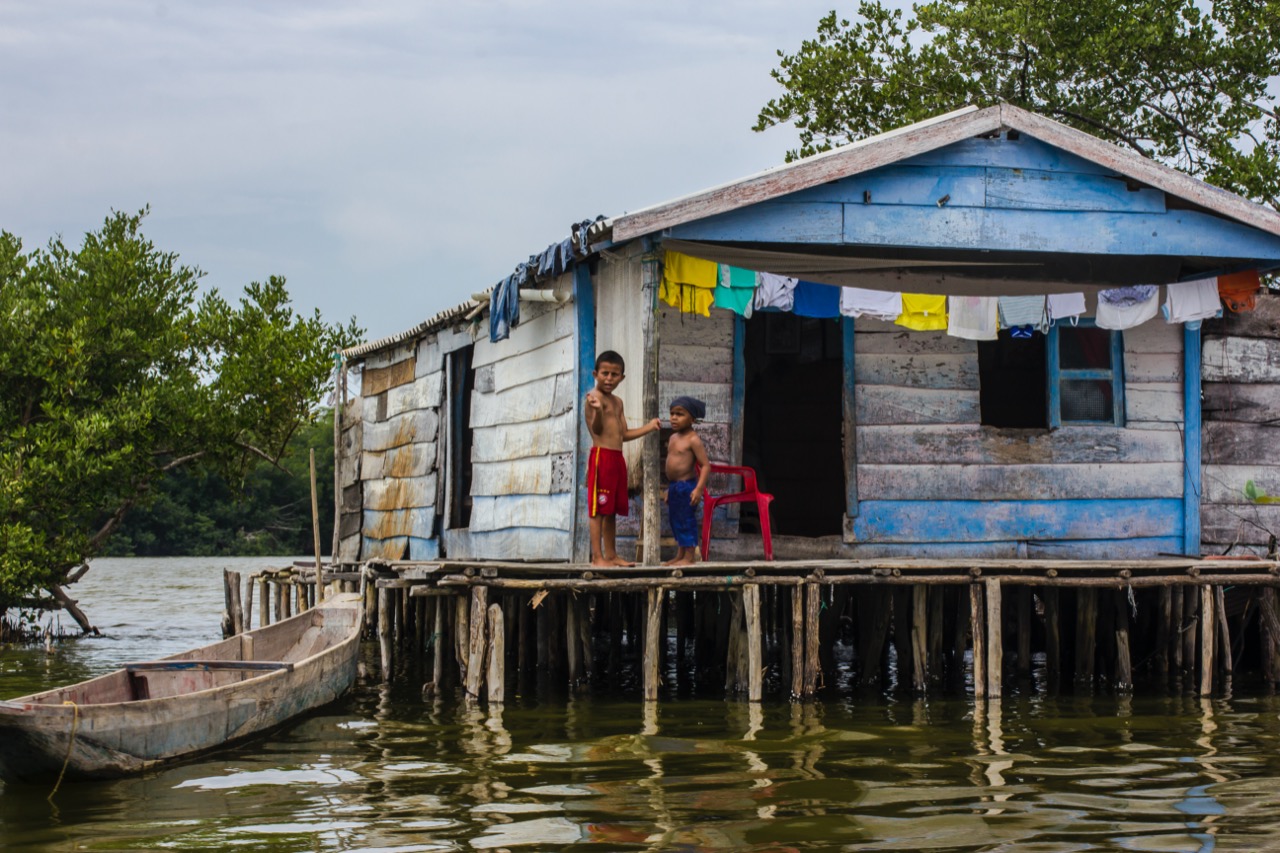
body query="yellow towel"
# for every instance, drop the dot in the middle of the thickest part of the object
(688, 283)
(922, 312)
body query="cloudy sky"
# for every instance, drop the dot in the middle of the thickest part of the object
(388, 158)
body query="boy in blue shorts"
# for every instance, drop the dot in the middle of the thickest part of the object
(687, 473)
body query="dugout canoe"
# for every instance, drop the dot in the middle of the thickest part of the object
(157, 711)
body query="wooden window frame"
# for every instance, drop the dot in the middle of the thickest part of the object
(1057, 374)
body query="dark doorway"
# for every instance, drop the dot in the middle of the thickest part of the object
(1013, 390)
(792, 415)
(462, 381)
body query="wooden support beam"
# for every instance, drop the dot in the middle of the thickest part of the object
(977, 626)
(797, 641)
(995, 638)
(651, 520)
(755, 655)
(812, 664)
(497, 670)
(919, 637)
(652, 643)
(384, 631)
(438, 635)
(1124, 658)
(1164, 622)
(572, 647)
(1024, 631)
(1208, 627)
(264, 603)
(477, 642)
(1224, 630)
(1086, 634)
(1053, 635)
(462, 635)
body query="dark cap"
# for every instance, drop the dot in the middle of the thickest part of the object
(692, 405)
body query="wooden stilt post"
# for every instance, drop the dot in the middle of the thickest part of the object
(919, 636)
(1052, 634)
(572, 647)
(1086, 637)
(652, 640)
(1124, 660)
(264, 602)
(1024, 631)
(315, 528)
(755, 655)
(797, 641)
(1190, 620)
(1177, 622)
(995, 638)
(1269, 622)
(1164, 619)
(251, 583)
(497, 674)
(462, 634)
(937, 613)
(1208, 627)
(438, 634)
(960, 636)
(812, 664)
(977, 624)
(1224, 631)
(384, 631)
(476, 644)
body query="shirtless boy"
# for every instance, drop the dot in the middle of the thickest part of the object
(606, 467)
(687, 473)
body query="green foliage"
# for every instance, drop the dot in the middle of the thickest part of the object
(1183, 81)
(198, 513)
(1257, 495)
(113, 373)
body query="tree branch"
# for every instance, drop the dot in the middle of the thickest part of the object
(1132, 143)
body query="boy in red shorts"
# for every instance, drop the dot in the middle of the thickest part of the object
(606, 467)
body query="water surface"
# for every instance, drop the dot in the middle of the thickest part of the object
(386, 770)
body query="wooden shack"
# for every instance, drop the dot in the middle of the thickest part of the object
(875, 441)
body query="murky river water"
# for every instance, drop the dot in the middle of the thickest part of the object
(386, 770)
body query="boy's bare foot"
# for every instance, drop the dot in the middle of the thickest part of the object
(618, 561)
(671, 562)
(683, 561)
(601, 562)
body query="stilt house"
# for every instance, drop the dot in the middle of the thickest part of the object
(876, 441)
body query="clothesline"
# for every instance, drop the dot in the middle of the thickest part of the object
(695, 285)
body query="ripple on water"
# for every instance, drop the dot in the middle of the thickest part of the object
(317, 775)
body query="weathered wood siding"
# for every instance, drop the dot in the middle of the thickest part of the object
(401, 396)
(524, 430)
(930, 475)
(1241, 410)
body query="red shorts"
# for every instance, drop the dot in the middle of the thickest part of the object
(606, 482)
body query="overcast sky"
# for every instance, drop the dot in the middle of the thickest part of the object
(388, 158)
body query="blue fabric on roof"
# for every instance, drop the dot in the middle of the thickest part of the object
(816, 300)
(504, 308)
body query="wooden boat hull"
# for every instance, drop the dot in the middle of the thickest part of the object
(185, 704)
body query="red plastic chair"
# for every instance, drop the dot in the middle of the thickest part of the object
(750, 494)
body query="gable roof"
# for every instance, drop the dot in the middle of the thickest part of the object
(919, 138)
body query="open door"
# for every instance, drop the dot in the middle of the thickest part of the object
(792, 414)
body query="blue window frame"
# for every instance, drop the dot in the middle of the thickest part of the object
(1086, 375)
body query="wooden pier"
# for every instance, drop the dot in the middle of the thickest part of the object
(808, 628)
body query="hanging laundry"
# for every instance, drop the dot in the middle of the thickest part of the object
(1239, 290)
(504, 308)
(816, 300)
(1124, 310)
(879, 304)
(1059, 306)
(975, 318)
(1024, 312)
(688, 283)
(1129, 296)
(922, 312)
(1189, 301)
(775, 291)
(736, 290)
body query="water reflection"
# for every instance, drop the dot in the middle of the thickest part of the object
(386, 770)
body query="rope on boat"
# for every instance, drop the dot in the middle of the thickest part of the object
(71, 742)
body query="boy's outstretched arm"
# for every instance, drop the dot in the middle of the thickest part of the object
(704, 469)
(652, 426)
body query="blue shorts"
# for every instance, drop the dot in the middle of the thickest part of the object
(684, 516)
